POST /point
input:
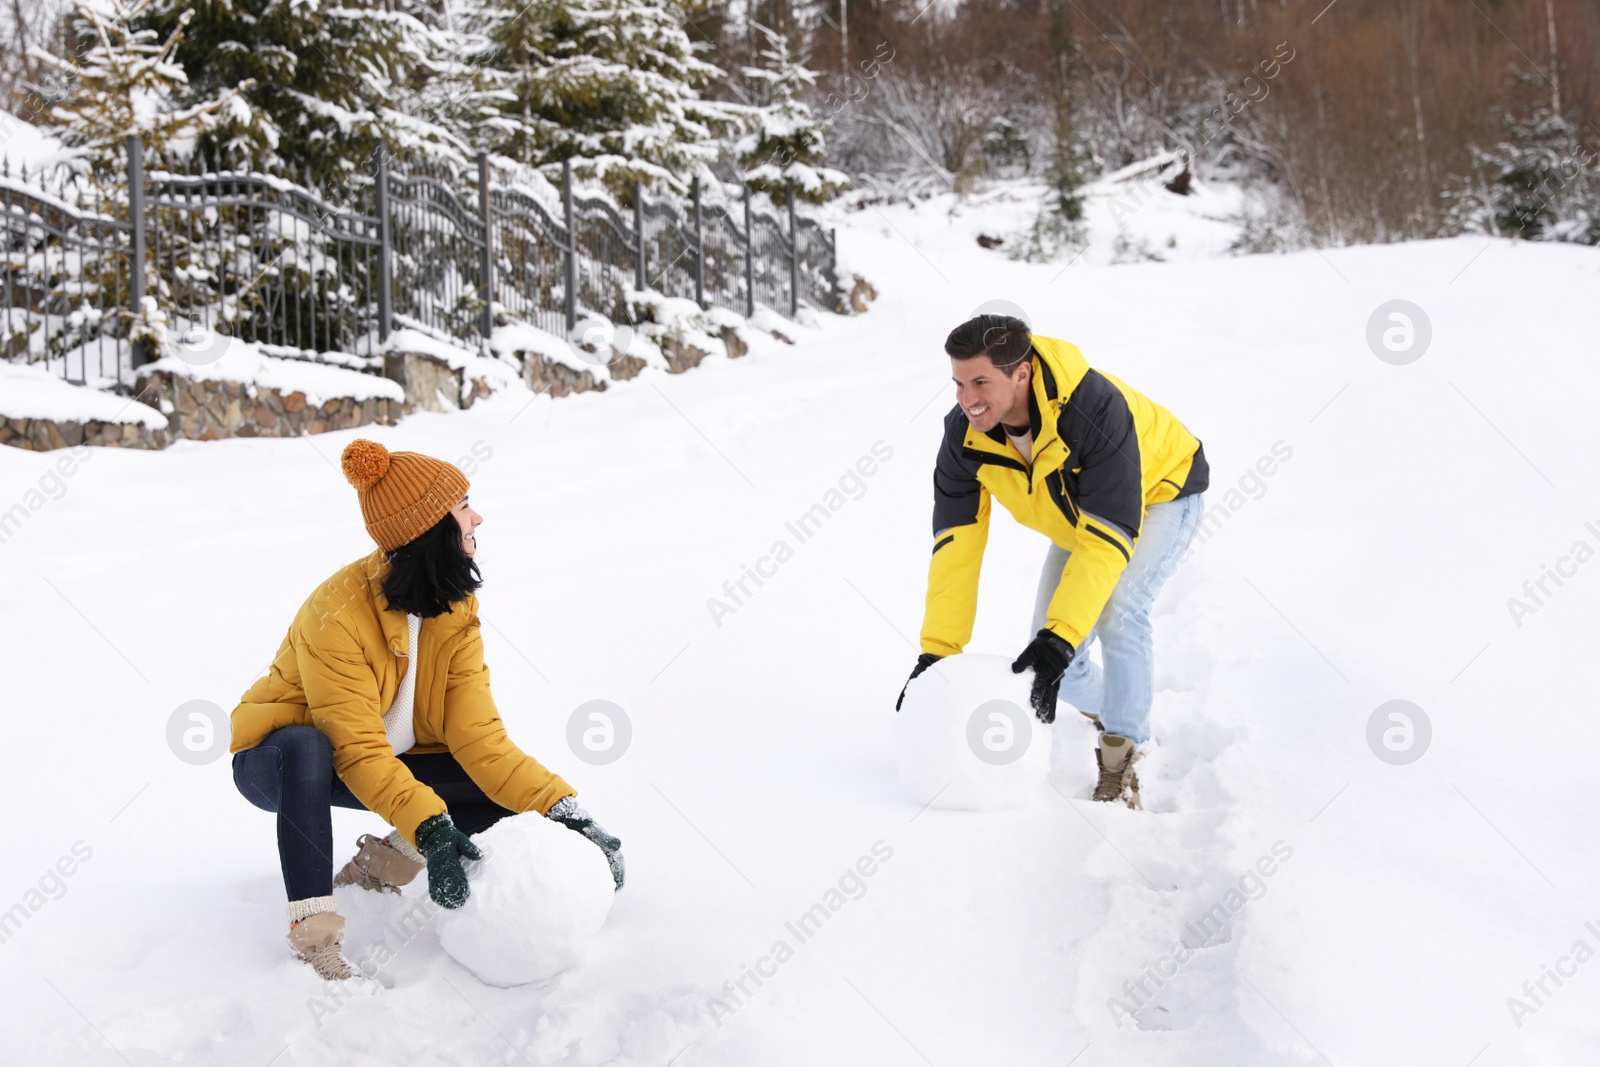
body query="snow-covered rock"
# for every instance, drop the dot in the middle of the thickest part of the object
(968, 740)
(540, 892)
(217, 357)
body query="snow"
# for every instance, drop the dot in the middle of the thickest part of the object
(1369, 523)
(452, 355)
(966, 739)
(24, 145)
(210, 356)
(1129, 217)
(537, 898)
(28, 392)
(510, 338)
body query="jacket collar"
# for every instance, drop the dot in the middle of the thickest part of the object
(1058, 367)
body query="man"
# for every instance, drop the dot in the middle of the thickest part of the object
(1110, 477)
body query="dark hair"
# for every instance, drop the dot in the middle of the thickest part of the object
(1003, 339)
(430, 573)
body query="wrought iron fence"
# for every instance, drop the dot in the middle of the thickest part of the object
(313, 273)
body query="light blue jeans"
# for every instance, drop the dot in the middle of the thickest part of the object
(1121, 693)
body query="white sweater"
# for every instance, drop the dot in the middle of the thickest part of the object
(397, 723)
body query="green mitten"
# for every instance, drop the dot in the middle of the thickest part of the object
(444, 846)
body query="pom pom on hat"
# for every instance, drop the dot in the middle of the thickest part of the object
(364, 462)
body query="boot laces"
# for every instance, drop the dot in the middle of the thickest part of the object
(1113, 780)
(330, 963)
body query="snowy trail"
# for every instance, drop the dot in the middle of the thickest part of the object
(1373, 564)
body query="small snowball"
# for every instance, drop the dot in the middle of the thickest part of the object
(538, 895)
(967, 738)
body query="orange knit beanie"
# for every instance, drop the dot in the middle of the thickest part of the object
(403, 494)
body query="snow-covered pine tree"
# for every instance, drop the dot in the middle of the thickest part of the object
(613, 85)
(784, 151)
(124, 81)
(1540, 183)
(328, 81)
(516, 78)
(1060, 224)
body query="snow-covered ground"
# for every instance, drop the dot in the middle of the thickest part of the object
(1369, 522)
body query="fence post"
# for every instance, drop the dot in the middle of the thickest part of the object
(137, 355)
(572, 246)
(385, 251)
(488, 244)
(638, 233)
(749, 260)
(794, 260)
(699, 248)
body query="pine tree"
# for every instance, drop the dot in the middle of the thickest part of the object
(1060, 222)
(785, 150)
(515, 78)
(328, 82)
(124, 81)
(1540, 183)
(1069, 160)
(623, 95)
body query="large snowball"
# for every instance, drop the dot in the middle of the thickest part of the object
(540, 892)
(967, 738)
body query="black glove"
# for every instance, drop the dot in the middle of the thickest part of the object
(924, 661)
(443, 846)
(566, 812)
(1049, 656)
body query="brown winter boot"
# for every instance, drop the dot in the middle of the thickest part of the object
(1118, 781)
(318, 939)
(380, 864)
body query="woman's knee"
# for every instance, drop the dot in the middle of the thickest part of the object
(306, 752)
(300, 743)
(305, 756)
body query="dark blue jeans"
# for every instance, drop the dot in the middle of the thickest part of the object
(291, 774)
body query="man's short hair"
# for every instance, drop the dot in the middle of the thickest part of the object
(1005, 340)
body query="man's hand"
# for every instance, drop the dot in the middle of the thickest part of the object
(444, 846)
(568, 814)
(924, 661)
(1049, 656)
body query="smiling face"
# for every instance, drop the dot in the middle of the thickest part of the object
(990, 396)
(469, 521)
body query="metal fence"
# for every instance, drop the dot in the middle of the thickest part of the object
(327, 274)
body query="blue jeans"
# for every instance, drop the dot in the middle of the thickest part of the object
(291, 773)
(1121, 693)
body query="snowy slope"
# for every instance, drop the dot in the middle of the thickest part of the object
(1404, 904)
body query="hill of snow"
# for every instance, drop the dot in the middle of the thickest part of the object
(1370, 523)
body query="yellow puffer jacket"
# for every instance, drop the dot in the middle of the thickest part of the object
(338, 669)
(1102, 453)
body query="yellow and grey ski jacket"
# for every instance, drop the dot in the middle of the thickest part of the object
(1102, 453)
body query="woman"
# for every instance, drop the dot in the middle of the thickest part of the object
(379, 699)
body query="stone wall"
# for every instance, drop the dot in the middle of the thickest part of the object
(543, 374)
(430, 383)
(860, 293)
(42, 435)
(203, 409)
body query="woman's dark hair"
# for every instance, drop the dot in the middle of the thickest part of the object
(432, 572)
(1003, 339)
